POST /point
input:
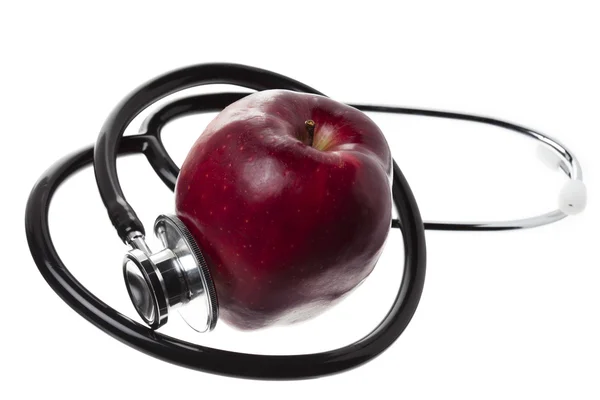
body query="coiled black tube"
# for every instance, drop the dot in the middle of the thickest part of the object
(111, 143)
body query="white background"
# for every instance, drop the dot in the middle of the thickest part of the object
(503, 315)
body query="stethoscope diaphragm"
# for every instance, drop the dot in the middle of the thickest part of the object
(174, 278)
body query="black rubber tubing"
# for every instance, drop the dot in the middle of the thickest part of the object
(111, 143)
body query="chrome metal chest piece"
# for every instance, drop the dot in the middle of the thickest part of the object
(171, 278)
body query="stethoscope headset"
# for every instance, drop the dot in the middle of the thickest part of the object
(154, 294)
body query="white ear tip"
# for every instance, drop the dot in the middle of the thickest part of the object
(573, 197)
(548, 156)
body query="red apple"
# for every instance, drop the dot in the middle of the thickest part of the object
(289, 197)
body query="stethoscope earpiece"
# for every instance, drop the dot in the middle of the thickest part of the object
(174, 278)
(572, 197)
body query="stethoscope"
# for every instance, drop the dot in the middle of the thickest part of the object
(154, 279)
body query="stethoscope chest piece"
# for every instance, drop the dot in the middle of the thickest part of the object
(176, 277)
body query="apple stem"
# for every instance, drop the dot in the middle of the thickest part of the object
(310, 129)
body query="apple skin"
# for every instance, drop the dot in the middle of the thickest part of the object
(287, 228)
